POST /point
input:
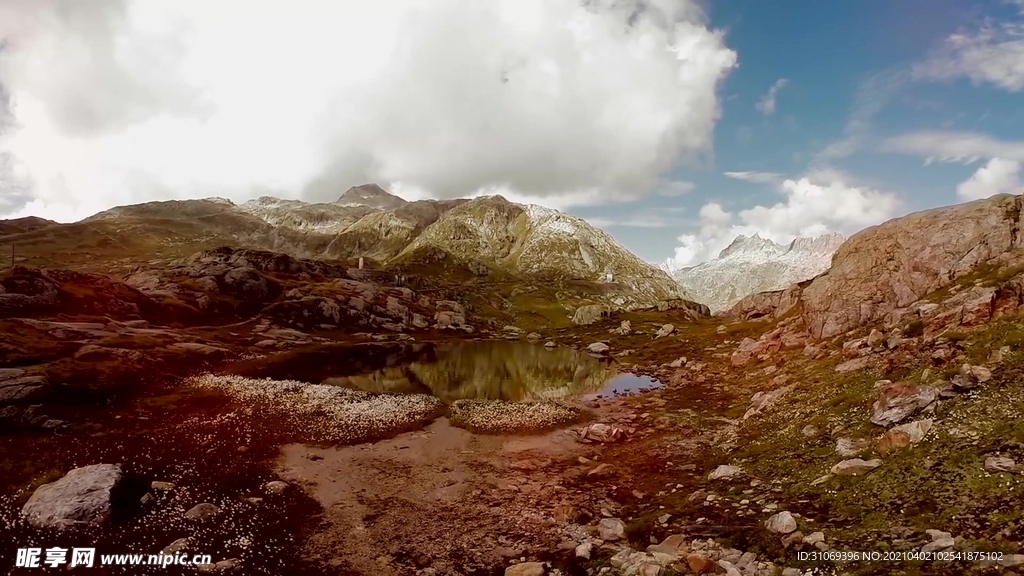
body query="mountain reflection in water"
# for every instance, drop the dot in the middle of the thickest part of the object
(492, 370)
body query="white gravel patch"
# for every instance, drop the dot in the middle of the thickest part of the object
(499, 416)
(328, 413)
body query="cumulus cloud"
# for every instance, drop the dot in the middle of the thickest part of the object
(813, 205)
(998, 176)
(120, 101)
(993, 54)
(768, 102)
(947, 146)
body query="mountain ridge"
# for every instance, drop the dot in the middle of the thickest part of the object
(485, 236)
(752, 264)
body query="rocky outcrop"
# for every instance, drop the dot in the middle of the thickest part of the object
(767, 304)
(29, 291)
(892, 266)
(82, 496)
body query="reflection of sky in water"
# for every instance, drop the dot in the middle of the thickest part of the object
(494, 370)
(626, 383)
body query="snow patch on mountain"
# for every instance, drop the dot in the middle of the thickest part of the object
(754, 264)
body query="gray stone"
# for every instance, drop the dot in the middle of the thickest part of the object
(584, 550)
(589, 314)
(611, 529)
(848, 448)
(82, 496)
(598, 348)
(814, 538)
(781, 523)
(725, 472)
(202, 511)
(1001, 464)
(855, 467)
(900, 401)
(915, 430)
(665, 330)
(936, 545)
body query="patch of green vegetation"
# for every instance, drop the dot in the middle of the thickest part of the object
(914, 329)
(939, 483)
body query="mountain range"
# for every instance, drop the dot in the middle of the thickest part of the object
(484, 237)
(753, 264)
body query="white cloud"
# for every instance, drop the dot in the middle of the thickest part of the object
(949, 146)
(768, 102)
(756, 177)
(993, 54)
(673, 188)
(121, 101)
(813, 205)
(998, 176)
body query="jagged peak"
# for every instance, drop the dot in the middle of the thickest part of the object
(743, 243)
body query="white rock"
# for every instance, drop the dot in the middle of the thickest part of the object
(915, 430)
(725, 472)
(665, 331)
(584, 550)
(611, 529)
(855, 467)
(781, 523)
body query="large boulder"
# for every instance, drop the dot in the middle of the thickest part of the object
(589, 314)
(82, 496)
(899, 401)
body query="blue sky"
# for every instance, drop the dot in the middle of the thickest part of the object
(843, 63)
(673, 124)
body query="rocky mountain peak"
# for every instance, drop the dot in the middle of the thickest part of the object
(748, 244)
(370, 195)
(752, 264)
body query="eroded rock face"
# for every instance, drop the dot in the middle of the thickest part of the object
(82, 496)
(893, 265)
(880, 272)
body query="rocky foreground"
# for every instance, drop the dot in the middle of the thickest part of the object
(857, 423)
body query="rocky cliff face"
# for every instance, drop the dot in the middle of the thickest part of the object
(752, 265)
(889, 268)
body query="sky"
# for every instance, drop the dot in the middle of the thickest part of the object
(675, 125)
